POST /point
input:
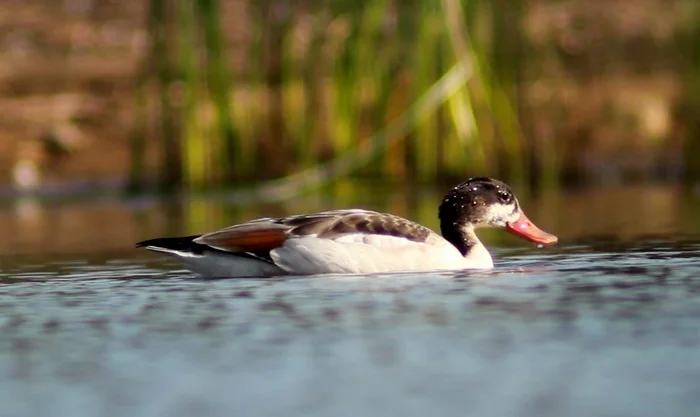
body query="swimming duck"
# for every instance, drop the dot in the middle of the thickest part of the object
(358, 241)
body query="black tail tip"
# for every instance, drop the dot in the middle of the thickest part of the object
(174, 243)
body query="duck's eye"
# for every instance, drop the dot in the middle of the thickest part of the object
(505, 197)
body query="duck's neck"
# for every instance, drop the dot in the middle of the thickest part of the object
(462, 237)
(467, 243)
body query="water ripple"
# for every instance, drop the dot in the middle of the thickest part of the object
(591, 329)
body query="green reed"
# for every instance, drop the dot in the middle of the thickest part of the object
(196, 159)
(376, 88)
(320, 79)
(218, 81)
(163, 68)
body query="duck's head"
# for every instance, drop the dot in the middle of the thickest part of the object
(484, 201)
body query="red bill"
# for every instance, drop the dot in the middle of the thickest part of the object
(527, 230)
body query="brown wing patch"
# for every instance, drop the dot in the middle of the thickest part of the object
(377, 223)
(245, 240)
(309, 225)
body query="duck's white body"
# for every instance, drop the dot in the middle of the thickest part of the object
(357, 253)
(328, 253)
(357, 241)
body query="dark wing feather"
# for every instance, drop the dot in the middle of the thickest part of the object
(246, 237)
(264, 235)
(187, 244)
(183, 243)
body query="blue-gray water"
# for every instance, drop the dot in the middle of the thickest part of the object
(605, 324)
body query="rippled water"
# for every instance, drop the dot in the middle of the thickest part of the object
(598, 326)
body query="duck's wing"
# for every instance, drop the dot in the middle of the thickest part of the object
(266, 234)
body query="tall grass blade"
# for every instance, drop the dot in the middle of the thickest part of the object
(219, 84)
(352, 160)
(196, 156)
(163, 68)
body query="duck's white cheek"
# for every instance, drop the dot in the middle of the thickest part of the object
(503, 213)
(514, 217)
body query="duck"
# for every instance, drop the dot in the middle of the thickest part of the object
(358, 241)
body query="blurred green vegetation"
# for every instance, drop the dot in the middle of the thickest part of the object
(324, 80)
(281, 95)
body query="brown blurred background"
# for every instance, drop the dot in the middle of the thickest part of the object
(177, 93)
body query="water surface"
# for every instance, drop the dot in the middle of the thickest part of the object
(605, 324)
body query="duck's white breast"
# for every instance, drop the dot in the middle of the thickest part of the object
(366, 253)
